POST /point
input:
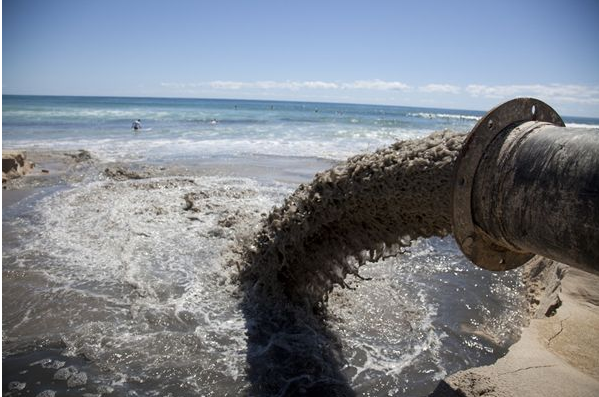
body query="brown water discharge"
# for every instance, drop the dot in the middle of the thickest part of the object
(371, 206)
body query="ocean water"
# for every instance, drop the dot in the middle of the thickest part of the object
(126, 282)
(202, 128)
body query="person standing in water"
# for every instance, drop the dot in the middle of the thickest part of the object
(136, 125)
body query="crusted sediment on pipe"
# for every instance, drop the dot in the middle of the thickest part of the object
(366, 208)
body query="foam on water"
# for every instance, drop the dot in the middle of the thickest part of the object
(154, 146)
(427, 115)
(422, 315)
(127, 276)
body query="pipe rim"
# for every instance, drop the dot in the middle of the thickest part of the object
(472, 240)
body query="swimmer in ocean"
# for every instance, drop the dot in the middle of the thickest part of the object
(136, 125)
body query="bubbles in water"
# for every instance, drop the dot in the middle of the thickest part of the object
(132, 277)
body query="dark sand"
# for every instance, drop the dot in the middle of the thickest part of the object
(48, 371)
(11, 197)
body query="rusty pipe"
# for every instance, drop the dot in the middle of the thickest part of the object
(525, 184)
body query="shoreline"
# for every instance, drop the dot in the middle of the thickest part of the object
(64, 167)
(558, 351)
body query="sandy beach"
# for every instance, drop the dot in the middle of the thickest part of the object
(558, 352)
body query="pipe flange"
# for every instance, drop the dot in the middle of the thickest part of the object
(472, 240)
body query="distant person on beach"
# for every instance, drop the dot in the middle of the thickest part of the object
(136, 125)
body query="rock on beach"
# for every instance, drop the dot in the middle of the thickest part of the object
(15, 165)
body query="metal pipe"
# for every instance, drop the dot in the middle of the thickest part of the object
(525, 184)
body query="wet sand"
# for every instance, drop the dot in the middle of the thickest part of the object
(558, 352)
(11, 197)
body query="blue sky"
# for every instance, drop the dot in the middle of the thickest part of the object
(456, 54)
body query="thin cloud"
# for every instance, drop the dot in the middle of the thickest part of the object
(570, 93)
(323, 85)
(226, 85)
(563, 93)
(377, 85)
(320, 85)
(440, 88)
(272, 85)
(259, 85)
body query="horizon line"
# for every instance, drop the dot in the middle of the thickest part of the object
(276, 100)
(242, 99)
